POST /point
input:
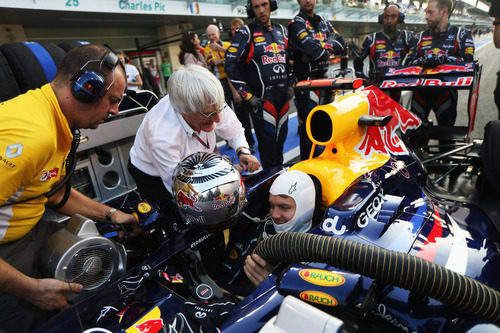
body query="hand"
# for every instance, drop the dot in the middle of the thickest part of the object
(257, 269)
(217, 62)
(127, 219)
(48, 294)
(217, 47)
(434, 60)
(249, 162)
(237, 98)
(255, 102)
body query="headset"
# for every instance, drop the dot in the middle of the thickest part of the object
(401, 17)
(251, 14)
(88, 86)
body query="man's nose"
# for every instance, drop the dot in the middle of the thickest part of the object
(114, 110)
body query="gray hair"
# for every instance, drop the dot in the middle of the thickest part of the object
(193, 88)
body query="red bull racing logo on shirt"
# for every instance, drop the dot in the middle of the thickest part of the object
(321, 277)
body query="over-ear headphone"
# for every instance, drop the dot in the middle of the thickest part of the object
(251, 14)
(401, 17)
(88, 85)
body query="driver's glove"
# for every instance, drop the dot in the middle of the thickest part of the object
(289, 93)
(255, 102)
(419, 61)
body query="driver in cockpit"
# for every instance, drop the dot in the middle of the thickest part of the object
(292, 198)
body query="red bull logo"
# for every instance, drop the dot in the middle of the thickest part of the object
(186, 201)
(150, 326)
(390, 55)
(223, 200)
(321, 277)
(448, 68)
(274, 48)
(318, 297)
(436, 51)
(413, 70)
(384, 140)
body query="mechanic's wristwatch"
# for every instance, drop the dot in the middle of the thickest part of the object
(244, 151)
(110, 213)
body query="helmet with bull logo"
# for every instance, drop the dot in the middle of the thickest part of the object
(208, 191)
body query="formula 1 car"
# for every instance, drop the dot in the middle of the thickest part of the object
(389, 250)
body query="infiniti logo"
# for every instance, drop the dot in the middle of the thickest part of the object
(279, 68)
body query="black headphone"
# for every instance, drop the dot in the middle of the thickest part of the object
(251, 14)
(401, 17)
(88, 86)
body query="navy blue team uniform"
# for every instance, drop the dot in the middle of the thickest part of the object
(312, 40)
(383, 52)
(453, 45)
(258, 65)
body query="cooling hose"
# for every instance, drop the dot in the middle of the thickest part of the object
(460, 292)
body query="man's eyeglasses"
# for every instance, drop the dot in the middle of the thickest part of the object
(213, 113)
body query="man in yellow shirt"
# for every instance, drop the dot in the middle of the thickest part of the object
(36, 134)
(214, 55)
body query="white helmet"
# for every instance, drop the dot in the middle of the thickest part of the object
(300, 187)
(208, 191)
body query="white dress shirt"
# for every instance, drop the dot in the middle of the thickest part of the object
(165, 138)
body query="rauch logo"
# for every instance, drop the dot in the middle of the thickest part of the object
(322, 278)
(318, 297)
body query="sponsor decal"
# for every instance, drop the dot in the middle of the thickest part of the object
(460, 82)
(321, 277)
(199, 240)
(223, 200)
(382, 312)
(14, 150)
(195, 219)
(177, 278)
(380, 46)
(274, 48)
(318, 297)
(380, 41)
(143, 207)
(151, 322)
(436, 51)
(384, 140)
(426, 43)
(276, 59)
(232, 49)
(330, 225)
(258, 33)
(427, 38)
(371, 211)
(259, 39)
(279, 69)
(448, 68)
(390, 55)
(204, 291)
(469, 50)
(186, 200)
(303, 35)
(414, 70)
(47, 175)
(7, 162)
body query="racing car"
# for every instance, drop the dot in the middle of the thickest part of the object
(389, 250)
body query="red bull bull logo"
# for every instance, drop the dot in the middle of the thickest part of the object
(274, 48)
(390, 55)
(413, 70)
(223, 200)
(150, 326)
(384, 140)
(186, 201)
(449, 68)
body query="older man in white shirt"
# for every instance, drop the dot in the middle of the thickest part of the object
(186, 121)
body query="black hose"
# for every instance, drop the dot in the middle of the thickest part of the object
(460, 292)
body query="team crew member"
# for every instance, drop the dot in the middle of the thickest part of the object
(439, 44)
(214, 56)
(186, 121)
(257, 63)
(385, 48)
(241, 107)
(313, 39)
(134, 80)
(35, 138)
